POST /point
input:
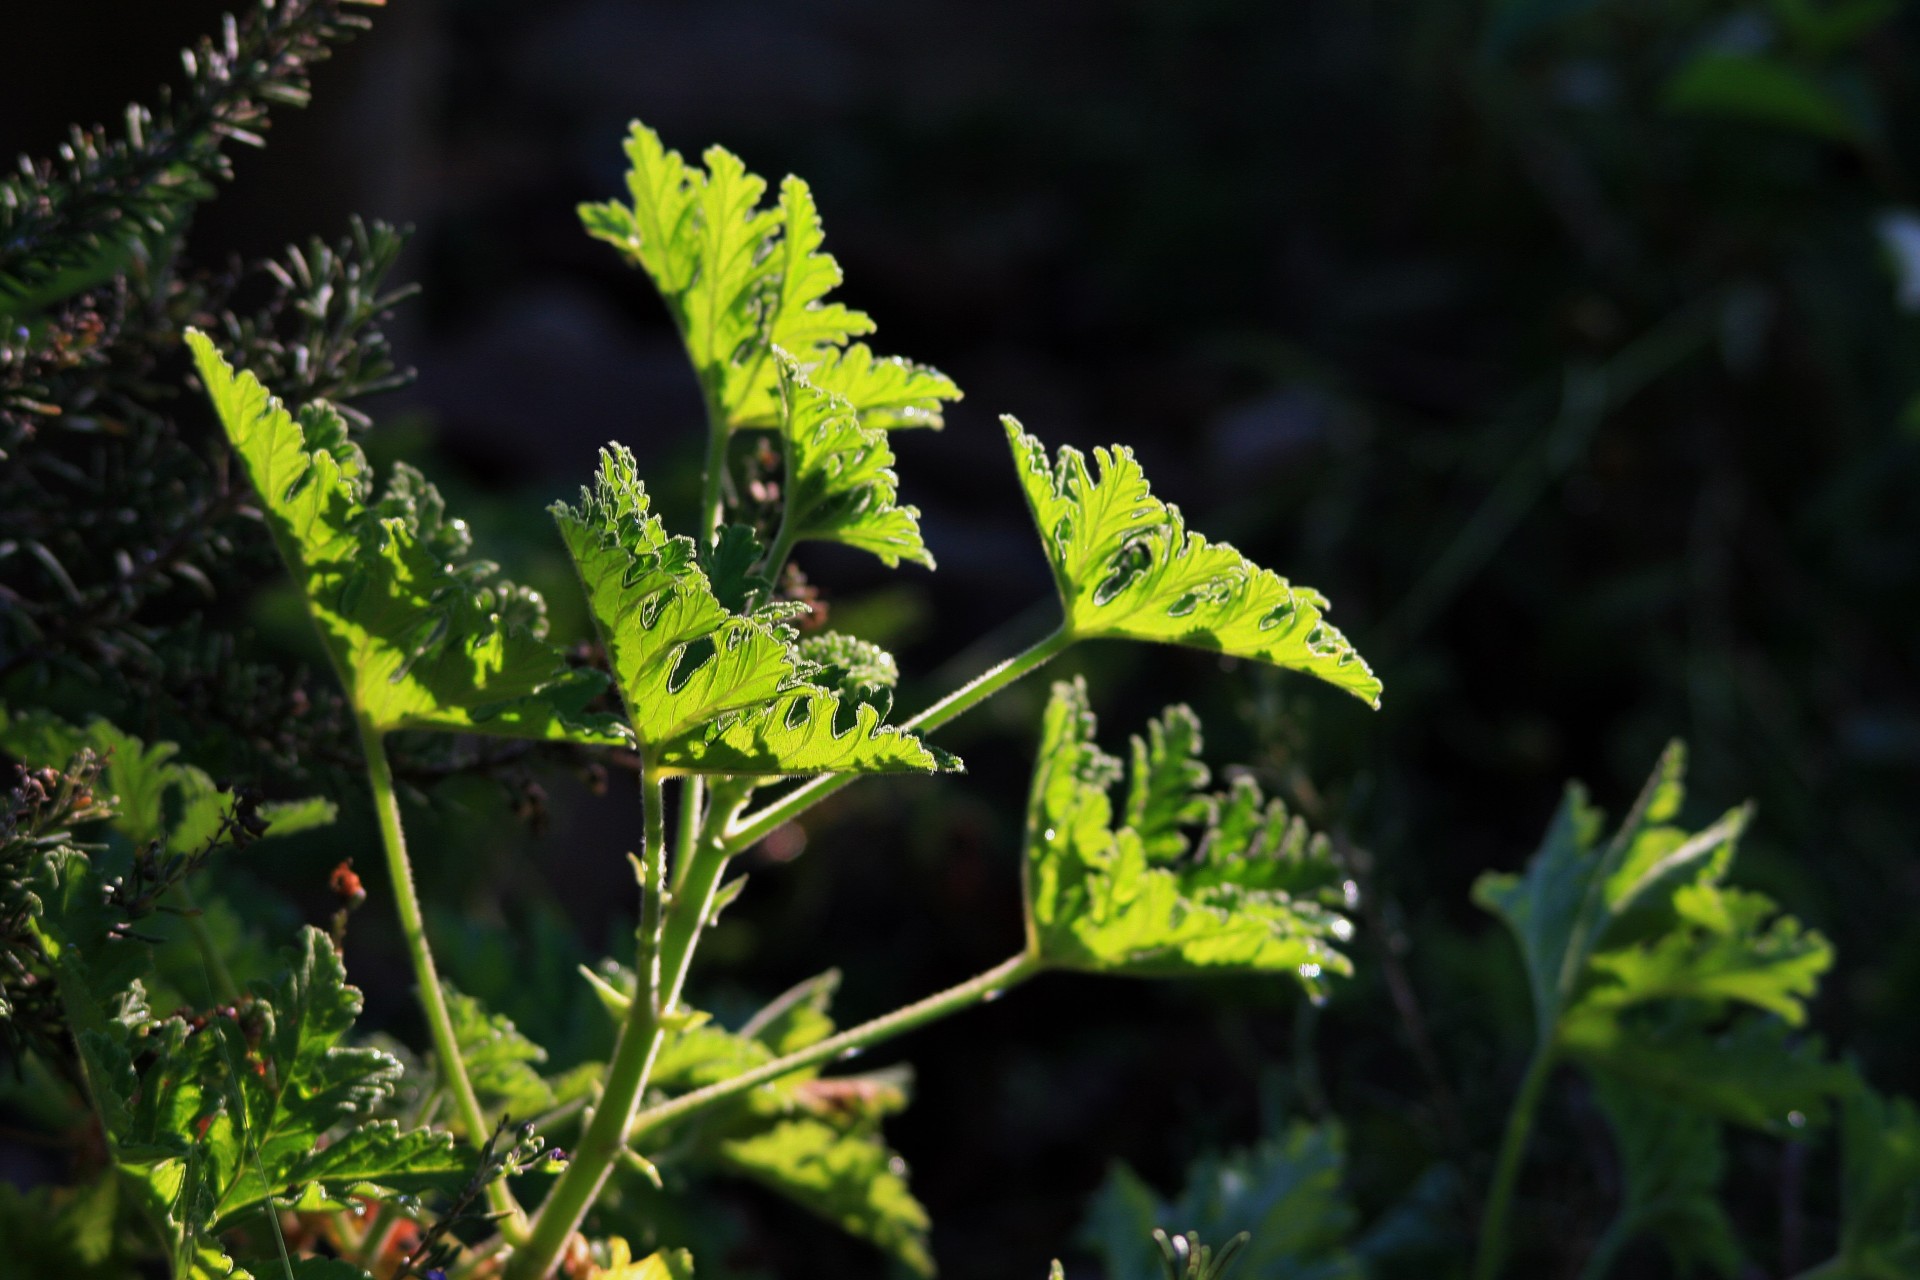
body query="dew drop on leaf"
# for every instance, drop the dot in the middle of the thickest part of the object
(1797, 1119)
(1342, 929)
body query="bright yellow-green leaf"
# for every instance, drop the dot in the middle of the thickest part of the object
(1126, 565)
(1254, 896)
(840, 481)
(741, 279)
(422, 637)
(707, 690)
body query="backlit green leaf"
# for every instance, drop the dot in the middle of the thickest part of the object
(840, 481)
(1126, 565)
(706, 690)
(422, 636)
(740, 279)
(1252, 896)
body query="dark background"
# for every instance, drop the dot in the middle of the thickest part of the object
(1583, 382)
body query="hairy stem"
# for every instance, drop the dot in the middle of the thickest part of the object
(981, 987)
(1506, 1175)
(756, 827)
(605, 1136)
(433, 1000)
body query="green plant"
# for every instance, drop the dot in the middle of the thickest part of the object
(1677, 996)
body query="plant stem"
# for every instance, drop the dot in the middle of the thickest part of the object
(989, 682)
(1513, 1147)
(605, 1136)
(983, 986)
(219, 978)
(433, 1000)
(714, 479)
(691, 793)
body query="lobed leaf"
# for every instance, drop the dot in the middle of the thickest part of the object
(816, 1141)
(1879, 1187)
(500, 1061)
(1284, 1192)
(1672, 1160)
(421, 636)
(840, 481)
(740, 279)
(1126, 565)
(707, 690)
(1122, 899)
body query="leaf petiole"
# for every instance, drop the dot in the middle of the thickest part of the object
(981, 987)
(745, 833)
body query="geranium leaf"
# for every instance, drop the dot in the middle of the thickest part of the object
(840, 481)
(421, 636)
(740, 279)
(1255, 896)
(1126, 565)
(1672, 1160)
(707, 690)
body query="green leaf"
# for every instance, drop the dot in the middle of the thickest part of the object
(500, 1060)
(1126, 565)
(844, 1175)
(1285, 1192)
(814, 1140)
(740, 279)
(154, 797)
(1879, 1188)
(1751, 1074)
(840, 481)
(1758, 89)
(421, 636)
(1672, 1159)
(706, 690)
(1253, 896)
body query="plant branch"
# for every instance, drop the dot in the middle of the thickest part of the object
(753, 829)
(605, 1135)
(1513, 1148)
(433, 1000)
(981, 987)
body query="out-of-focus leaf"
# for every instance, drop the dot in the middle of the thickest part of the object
(1762, 90)
(1672, 1159)
(1284, 1192)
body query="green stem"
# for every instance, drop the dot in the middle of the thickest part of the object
(219, 978)
(784, 542)
(688, 835)
(756, 827)
(713, 481)
(433, 1000)
(981, 987)
(1506, 1175)
(605, 1136)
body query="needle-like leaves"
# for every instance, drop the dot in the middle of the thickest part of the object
(1126, 565)
(1131, 899)
(707, 690)
(840, 481)
(741, 279)
(422, 637)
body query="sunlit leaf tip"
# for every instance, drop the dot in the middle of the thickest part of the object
(708, 690)
(423, 636)
(1126, 565)
(840, 481)
(1187, 880)
(740, 278)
